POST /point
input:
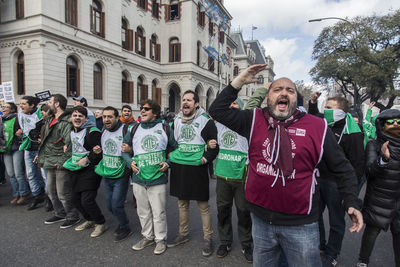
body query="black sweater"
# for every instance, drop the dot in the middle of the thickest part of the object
(240, 121)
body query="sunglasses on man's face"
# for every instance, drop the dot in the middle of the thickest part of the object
(391, 121)
(145, 108)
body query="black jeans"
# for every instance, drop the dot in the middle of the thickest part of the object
(228, 191)
(368, 242)
(85, 202)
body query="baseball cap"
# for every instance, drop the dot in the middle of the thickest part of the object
(81, 99)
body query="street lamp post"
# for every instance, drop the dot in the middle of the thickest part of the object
(321, 19)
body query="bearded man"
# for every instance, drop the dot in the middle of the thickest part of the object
(285, 147)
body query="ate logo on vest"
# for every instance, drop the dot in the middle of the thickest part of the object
(111, 147)
(149, 143)
(187, 133)
(229, 139)
(75, 145)
(266, 149)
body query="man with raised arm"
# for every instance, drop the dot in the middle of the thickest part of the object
(285, 147)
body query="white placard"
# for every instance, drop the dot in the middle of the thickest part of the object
(8, 92)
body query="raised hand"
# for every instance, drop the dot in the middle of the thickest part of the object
(248, 75)
(385, 150)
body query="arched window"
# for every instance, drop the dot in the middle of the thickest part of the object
(97, 81)
(126, 35)
(71, 12)
(198, 52)
(155, 48)
(72, 77)
(21, 74)
(140, 42)
(142, 90)
(127, 89)
(174, 50)
(156, 92)
(211, 66)
(96, 18)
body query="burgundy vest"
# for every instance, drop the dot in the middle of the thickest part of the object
(294, 194)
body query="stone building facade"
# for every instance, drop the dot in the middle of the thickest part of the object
(114, 52)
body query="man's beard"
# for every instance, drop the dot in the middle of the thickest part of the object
(280, 116)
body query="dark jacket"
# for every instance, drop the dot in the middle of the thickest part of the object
(241, 121)
(352, 145)
(382, 199)
(51, 151)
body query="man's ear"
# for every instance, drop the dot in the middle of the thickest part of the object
(196, 105)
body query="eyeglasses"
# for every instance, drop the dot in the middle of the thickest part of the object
(145, 108)
(391, 121)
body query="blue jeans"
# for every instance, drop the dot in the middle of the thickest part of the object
(330, 198)
(33, 174)
(299, 243)
(115, 190)
(14, 163)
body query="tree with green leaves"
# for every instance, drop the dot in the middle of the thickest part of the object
(363, 57)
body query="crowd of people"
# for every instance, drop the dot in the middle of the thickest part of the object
(280, 166)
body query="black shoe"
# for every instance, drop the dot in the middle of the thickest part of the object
(117, 231)
(3, 181)
(69, 223)
(35, 203)
(223, 250)
(122, 234)
(54, 219)
(248, 254)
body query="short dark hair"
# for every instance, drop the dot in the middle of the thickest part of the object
(342, 102)
(80, 109)
(13, 107)
(116, 114)
(62, 101)
(31, 100)
(126, 106)
(156, 108)
(195, 95)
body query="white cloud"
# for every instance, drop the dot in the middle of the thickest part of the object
(285, 32)
(283, 53)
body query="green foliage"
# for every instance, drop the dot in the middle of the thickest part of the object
(362, 56)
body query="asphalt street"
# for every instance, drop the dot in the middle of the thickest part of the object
(26, 241)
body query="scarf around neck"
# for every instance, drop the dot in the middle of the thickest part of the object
(190, 118)
(128, 121)
(334, 115)
(281, 154)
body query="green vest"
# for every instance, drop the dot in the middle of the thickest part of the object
(190, 143)
(112, 165)
(149, 147)
(78, 149)
(8, 132)
(232, 157)
(27, 123)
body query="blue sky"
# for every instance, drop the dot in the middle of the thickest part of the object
(284, 30)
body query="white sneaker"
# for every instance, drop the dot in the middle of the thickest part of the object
(85, 225)
(360, 264)
(161, 247)
(99, 230)
(144, 242)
